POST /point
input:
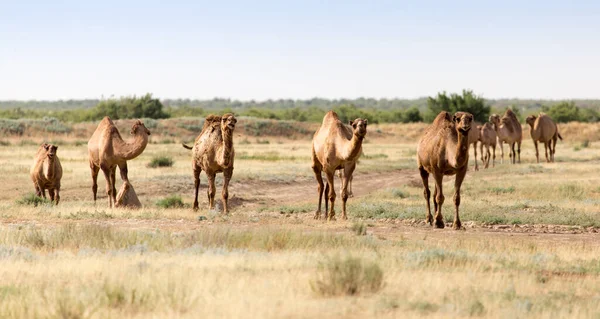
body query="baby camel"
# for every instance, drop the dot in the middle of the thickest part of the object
(444, 150)
(335, 147)
(543, 130)
(46, 172)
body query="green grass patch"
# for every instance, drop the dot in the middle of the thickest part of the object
(173, 201)
(161, 161)
(31, 199)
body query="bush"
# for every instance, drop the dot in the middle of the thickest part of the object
(360, 229)
(33, 199)
(563, 112)
(467, 102)
(170, 202)
(348, 276)
(160, 161)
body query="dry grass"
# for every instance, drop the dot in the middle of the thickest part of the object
(270, 259)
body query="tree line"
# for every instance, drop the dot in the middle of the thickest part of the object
(376, 110)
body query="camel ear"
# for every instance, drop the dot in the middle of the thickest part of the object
(366, 121)
(350, 123)
(46, 146)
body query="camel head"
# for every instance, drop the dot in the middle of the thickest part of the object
(50, 150)
(359, 127)
(228, 121)
(495, 119)
(463, 121)
(531, 120)
(139, 128)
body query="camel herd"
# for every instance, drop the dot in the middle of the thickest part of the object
(442, 150)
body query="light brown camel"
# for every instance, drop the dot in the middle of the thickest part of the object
(487, 137)
(46, 172)
(508, 130)
(444, 150)
(107, 150)
(473, 139)
(213, 153)
(543, 130)
(335, 147)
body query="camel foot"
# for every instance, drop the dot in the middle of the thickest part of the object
(440, 223)
(457, 226)
(331, 218)
(344, 217)
(317, 215)
(429, 220)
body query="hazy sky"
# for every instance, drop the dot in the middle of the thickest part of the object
(302, 49)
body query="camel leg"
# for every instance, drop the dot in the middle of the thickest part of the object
(537, 153)
(488, 155)
(475, 152)
(481, 151)
(211, 190)
(519, 151)
(57, 195)
(348, 170)
(123, 171)
(494, 156)
(341, 176)
(513, 153)
(196, 170)
(109, 188)
(439, 198)
(43, 191)
(326, 200)
(317, 171)
(225, 194)
(554, 139)
(95, 169)
(501, 152)
(331, 195)
(426, 194)
(460, 176)
(113, 180)
(350, 193)
(51, 193)
(546, 146)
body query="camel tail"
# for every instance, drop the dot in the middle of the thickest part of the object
(559, 136)
(188, 147)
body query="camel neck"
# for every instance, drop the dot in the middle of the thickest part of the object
(50, 169)
(462, 148)
(131, 150)
(354, 148)
(227, 136)
(532, 132)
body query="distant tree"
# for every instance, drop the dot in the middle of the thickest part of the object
(412, 115)
(563, 112)
(129, 107)
(467, 102)
(589, 115)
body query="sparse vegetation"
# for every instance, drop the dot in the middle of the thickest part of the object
(33, 200)
(347, 276)
(161, 161)
(173, 201)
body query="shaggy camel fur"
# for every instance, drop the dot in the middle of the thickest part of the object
(508, 130)
(473, 139)
(487, 137)
(107, 150)
(444, 150)
(335, 147)
(46, 172)
(213, 153)
(543, 130)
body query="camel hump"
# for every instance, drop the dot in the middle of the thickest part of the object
(442, 117)
(211, 120)
(331, 115)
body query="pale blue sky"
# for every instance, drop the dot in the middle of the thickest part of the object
(304, 49)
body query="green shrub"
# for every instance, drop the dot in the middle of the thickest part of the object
(347, 276)
(173, 201)
(160, 161)
(33, 199)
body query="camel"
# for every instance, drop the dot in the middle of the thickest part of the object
(213, 153)
(107, 150)
(46, 172)
(487, 137)
(543, 130)
(473, 139)
(335, 147)
(444, 150)
(508, 130)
